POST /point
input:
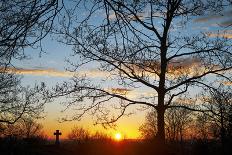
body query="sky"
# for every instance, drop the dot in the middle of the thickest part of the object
(49, 67)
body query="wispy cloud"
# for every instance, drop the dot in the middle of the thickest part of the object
(222, 34)
(224, 19)
(179, 67)
(54, 72)
(112, 16)
(186, 101)
(39, 72)
(208, 18)
(141, 15)
(121, 91)
(132, 93)
(227, 83)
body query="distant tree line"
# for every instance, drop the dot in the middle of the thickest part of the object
(79, 134)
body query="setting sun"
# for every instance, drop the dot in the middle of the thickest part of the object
(118, 136)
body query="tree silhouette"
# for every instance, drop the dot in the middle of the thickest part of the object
(141, 44)
(219, 105)
(177, 121)
(25, 127)
(203, 127)
(23, 24)
(79, 134)
(17, 102)
(149, 128)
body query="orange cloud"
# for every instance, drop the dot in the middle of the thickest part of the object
(121, 91)
(176, 68)
(39, 72)
(185, 66)
(224, 34)
(132, 93)
(54, 72)
(227, 83)
(186, 101)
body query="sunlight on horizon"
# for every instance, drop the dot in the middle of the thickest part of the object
(118, 136)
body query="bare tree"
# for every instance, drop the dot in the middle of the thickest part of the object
(149, 128)
(177, 121)
(30, 128)
(17, 102)
(79, 134)
(24, 128)
(141, 44)
(99, 135)
(23, 24)
(219, 104)
(203, 126)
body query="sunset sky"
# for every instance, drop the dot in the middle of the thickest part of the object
(50, 67)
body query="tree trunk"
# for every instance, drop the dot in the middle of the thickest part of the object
(160, 124)
(160, 120)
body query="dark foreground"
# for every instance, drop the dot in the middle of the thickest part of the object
(110, 147)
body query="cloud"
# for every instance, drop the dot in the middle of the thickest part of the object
(54, 72)
(223, 19)
(185, 66)
(39, 72)
(132, 93)
(112, 16)
(208, 18)
(142, 94)
(190, 66)
(121, 91)
(222, 34)
(176, 68)
(186, 101)
(140, 15)
(227, 83)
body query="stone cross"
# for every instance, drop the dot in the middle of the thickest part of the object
(57, 133)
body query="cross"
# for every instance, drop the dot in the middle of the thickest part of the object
(57, 133)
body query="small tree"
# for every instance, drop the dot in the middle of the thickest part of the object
(79, 134)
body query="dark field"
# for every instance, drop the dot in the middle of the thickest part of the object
(110, 147)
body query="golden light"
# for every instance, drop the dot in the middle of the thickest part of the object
(118, 136)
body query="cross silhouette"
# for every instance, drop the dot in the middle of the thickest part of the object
(57, 133)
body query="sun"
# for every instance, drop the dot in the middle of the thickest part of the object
(118, 136)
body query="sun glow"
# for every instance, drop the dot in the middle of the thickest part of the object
(118, 136)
